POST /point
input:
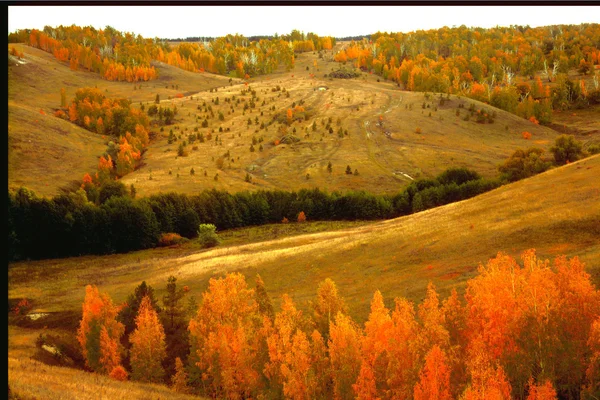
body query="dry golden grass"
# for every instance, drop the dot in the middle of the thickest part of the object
(29, 378)
(557, 212)
(46, 153)
(385, 156)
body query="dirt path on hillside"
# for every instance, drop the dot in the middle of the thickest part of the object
(374, 139)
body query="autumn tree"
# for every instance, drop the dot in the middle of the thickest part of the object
(487, 381)
(592, 372)
(179, 379)
(433, 325)
(289, 366)
(434, 379)
(543, 391)
(99, 332)
(301, 217)
(372, 380)
(326, 306)
(223, 339)
(130, 309)
(344, 355)
(148, 348)
(455, 323)
(265, 306)
(402, 370)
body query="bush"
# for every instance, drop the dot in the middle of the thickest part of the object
(566, 149)
(207, 235)
(523, 164)
(301, 217)
(118, 373)
(170, 239)
(594, 149)
(112, 189)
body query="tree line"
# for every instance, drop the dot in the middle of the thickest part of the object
(528, 330)
(108, 219)
(490, 65)
(118, 56)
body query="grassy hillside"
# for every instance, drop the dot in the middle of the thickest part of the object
(386, 153)
(32, 379)
(557, 212)
(46, 153)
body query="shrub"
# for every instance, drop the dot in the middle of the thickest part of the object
(207, 235)
(594, 149)
(170, 239)
(566, 149)
(301, 217)
(523, 164)
(118, 373)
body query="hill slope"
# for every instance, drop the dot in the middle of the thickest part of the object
(46, 153)
(557, 212)
(372, 129)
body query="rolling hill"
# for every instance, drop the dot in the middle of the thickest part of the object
(367, 125)
(557, 212)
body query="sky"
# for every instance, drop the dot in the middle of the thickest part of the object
(173, 22)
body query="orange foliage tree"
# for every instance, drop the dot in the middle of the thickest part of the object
(99, 332)
(434, 380)
(147, 345)
(375, 351)
(327, 304)
(223, 339)
(344, 355)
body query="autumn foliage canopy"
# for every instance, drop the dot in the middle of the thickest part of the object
(524, 330)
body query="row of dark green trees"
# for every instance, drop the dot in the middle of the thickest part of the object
(71, 225)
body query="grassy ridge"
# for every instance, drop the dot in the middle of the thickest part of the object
(556, 212)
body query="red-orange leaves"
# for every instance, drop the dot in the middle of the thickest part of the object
(541, 392)
(374, 347)
(434, 379)
(344, 355)
(223, 338)
(147, 345)
(99, 332)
